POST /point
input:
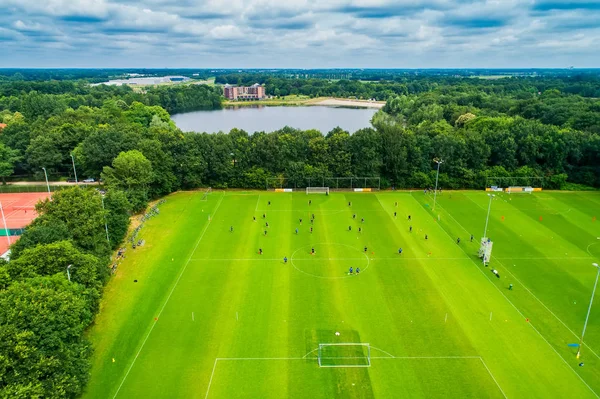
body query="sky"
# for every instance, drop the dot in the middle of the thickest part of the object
(299, 33)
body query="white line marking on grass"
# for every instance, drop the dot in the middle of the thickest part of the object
(470, 199)
(193, 316)
(168, 297)
(517, 309)
(544, 257)
(493, 378)
(257, 201)
(211, 377)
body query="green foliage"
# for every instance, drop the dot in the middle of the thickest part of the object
(80, 210)
(8, 158)
(132, 172)
(43, 230)
(42, 349)
(117, 207)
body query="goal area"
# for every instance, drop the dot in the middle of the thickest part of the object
(317, 190)
(345, 354)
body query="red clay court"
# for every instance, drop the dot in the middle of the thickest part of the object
(19, 211)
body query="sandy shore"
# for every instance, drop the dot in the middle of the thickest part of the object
(350, 103)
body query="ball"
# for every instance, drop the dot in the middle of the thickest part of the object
(337, 333)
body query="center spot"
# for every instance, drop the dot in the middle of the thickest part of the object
(330, 260)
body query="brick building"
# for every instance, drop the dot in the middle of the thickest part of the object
(254, 92)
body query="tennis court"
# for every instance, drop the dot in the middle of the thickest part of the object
(19, 211)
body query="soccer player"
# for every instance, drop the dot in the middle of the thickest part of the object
(510, 287)
(471, 237)
(351, 270)
(365, 248)
(269, 203)
(360, 229)
(399, 251)
(394, 214)
(296, 230)
(267, 224)
(285, 259)
(264, 215)
(313, 250)
(349, 203)
(349, 228)
(354, 216)
(409, 218)
(309, 202)
(260, 251)
(362, 220)
(254, 218)
(311, 230)
(410, 229)
(265, 232)
(313, 216)
(357, 270)
(425, 236)
(458, 240)
(231, 229)
(300, 220)
(396, 204)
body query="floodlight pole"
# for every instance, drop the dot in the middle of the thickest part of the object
(5, 227)
(589, 310)
(439, 162)
(69, 273)
(105, 224)
(488, 215)
(47, 184)
(74, 170)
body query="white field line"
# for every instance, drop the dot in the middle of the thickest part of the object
(168, 297)
(493, 378)
(529, 291)
(398, 258)
(518, 311)
(545, 257)
(211, 377)
(314, 358)
(257, 201)
(471, 199)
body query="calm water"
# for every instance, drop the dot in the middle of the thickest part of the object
(268, 119)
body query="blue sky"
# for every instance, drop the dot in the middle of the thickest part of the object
(300, 33)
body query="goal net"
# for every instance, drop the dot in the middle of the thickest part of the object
(344, 355)
(317, 190)
(519, 190)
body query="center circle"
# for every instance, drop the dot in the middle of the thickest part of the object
(329, 260)
(594, 249)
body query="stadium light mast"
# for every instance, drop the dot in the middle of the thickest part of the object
(589, 310)
(47, 184)
(5, 226)
(439, 162)
(74, 170)
(105, 223)
(487, 219)
(69, 273)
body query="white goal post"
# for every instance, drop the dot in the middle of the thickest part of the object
(205, 196)
(317, 190)
(344, 354)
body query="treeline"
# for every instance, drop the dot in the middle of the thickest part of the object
(50, 293)
(45, 99)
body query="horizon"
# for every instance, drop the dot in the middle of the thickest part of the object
(300, 34)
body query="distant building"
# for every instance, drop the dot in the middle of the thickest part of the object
(254, 92)
(144, 81)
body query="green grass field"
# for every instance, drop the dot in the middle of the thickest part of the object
(211, 318)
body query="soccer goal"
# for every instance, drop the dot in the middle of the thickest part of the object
(519, 190)
(317, 190)
(347, 354)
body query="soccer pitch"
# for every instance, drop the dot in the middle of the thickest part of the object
(210, 317)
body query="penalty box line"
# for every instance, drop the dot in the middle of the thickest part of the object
(168, 297)
(304, 358)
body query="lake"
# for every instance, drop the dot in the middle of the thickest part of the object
(268, 119)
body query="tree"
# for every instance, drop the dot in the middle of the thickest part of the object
(117, 219)
(42, 349)
(132, 172)
(8, 158)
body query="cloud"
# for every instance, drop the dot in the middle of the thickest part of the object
(299, 33)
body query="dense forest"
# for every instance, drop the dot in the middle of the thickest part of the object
(546, 127)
